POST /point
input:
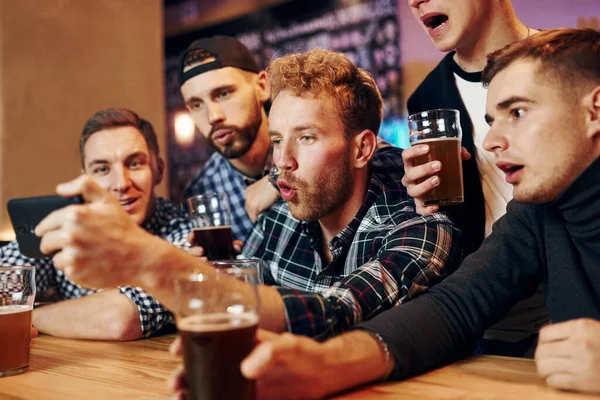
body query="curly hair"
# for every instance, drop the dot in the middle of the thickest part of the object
(333, 75)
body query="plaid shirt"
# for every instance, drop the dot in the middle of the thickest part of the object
(387, 255)
(218, 175)
(168, 222)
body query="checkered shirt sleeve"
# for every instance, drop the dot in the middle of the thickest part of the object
(172, 224)
(386, 256)
(219, 176)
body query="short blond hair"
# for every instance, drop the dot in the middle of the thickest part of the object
(330, 74)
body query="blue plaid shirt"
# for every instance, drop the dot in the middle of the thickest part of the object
(218, 175)
(386, 256)
(168, 222)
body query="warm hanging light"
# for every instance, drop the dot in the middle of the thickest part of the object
(184, 128)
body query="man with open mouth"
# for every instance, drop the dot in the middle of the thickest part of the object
(469, 30)
(119, 150)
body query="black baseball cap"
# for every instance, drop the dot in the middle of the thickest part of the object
(227, 52)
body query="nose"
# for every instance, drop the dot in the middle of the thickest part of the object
(284, 157)
(120, 180)
(215, 113)
(416, 3)
(495, 141)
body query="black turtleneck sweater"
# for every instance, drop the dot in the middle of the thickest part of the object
(556, 244)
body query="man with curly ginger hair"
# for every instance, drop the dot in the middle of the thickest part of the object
(345, 242)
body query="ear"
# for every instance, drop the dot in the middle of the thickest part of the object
(263, 89)
(160, 171)
(592, 104)
(364, 145)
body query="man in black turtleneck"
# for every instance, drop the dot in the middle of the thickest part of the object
(544, 113)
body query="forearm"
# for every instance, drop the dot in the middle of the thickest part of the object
(106, 315)
(160, 282)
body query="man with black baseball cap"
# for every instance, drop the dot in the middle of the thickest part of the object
(225, 91)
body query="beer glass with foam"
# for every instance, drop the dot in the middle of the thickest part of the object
(441, 131)
(213, 215)
(17, 295)
(217, 316)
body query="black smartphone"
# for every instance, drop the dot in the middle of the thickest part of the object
(26, 213)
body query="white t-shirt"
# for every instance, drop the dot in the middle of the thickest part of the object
(496, 191)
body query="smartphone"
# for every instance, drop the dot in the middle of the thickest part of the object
(26, 213)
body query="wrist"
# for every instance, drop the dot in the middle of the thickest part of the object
(366, 362)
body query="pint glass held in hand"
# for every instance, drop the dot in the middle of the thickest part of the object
(441, 131)
(213, 215)
(17, 295)
(217, 318)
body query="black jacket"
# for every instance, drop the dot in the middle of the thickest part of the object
(439, 90)
(556, 244)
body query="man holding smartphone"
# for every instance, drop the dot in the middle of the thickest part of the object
(119, 151)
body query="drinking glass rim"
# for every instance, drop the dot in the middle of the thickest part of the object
(425, 112)
(17, 268)
(197, 276)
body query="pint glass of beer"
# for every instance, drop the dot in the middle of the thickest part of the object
(217, 317)
(17, 294)
(440, 130)
(213, 215)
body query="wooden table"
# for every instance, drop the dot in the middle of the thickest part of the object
(72, 369)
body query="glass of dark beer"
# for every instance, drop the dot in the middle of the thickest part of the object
(441, 131)
(17, 295)
(217, 317)
(213, 215)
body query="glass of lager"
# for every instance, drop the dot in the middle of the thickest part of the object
(17, 294)
(213, 215)
(217, 316)
(440, 130)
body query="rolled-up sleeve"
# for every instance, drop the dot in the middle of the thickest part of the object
(153, 316)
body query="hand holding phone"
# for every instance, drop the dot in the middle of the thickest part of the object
(26, 213)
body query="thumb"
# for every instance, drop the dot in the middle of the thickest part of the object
(85, 187)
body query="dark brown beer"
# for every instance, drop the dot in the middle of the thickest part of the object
(214, 346)
(216, 241)
(15, 338)
(450, 189)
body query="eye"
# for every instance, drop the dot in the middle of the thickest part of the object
(307, 139)
(100, 170)
(134, 164)
(224, 94)
(194, 105)
(517, 113)
(276, 141)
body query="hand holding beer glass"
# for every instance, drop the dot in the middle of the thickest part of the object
(440, 130)
(217, 318)
(214, 218)
(17, 295)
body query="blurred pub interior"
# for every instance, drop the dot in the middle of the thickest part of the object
(62, 60)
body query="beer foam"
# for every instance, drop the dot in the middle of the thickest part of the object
(216, 322)
(212, 228)
(421, 141)
(13, 309)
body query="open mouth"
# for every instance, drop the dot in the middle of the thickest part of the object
(510, 169)
(434, 21)
(125, 203)
(287, 192)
